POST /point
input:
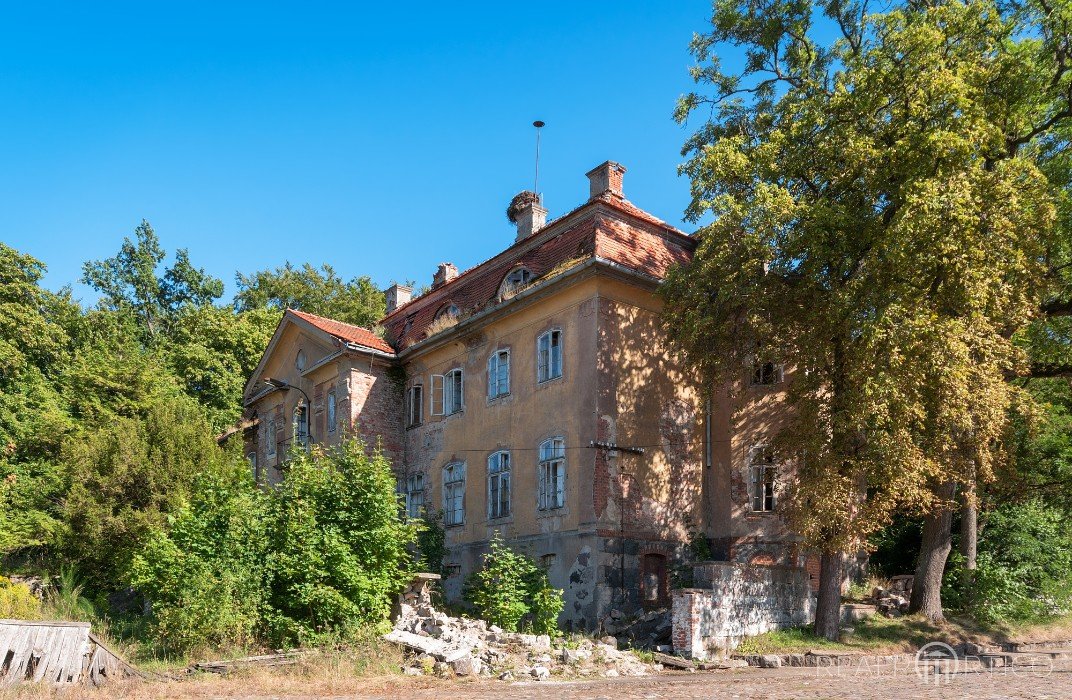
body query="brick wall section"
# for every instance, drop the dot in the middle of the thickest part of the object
(375, 405)
(732, 601)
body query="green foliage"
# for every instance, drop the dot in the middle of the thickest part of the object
(132, 281)
(315, 290)
(338, 549)
(512, 591)
(17, 602)
(431, 543)
(66, 600)
(126, 477)
(206, 575)
(1024, 566)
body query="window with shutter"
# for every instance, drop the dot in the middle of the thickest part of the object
(453, 392)
(437, 395)
(549, 356)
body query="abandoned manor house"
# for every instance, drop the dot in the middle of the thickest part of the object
(536, 395)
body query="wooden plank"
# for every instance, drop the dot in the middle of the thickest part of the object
(44, 623)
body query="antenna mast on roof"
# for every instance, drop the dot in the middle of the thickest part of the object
(536, 184)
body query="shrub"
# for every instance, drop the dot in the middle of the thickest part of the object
(512, 592)
(1024, 567)
(431, 543)
(337, 549)
(17, 602)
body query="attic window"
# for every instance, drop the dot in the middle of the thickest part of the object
(516, 280)
(299, 361)
(448, 310)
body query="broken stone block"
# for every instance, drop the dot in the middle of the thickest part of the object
(506, 676)
(770, 661)
(610, 673)
(540, 673)
(609, 641)
(413, 671)
(543, 642)
(467, 665)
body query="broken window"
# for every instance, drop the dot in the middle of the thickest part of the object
(499, 374)
(301, 425)
(331, 411)
(552, 474)
(499, 485)
(515, 281)
(764, 473)
(549, 356)
(415, 406)
(766, 373)
(454, 494)
(269, 438)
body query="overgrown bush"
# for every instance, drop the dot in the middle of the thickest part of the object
(17, 602)
(431, 543)
(337, 549)
(513, 592)
(1024, 567)
(316, 558)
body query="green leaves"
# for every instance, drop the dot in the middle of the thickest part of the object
(316, 291)
(511, 591)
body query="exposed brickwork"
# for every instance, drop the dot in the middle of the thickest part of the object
(376, 409)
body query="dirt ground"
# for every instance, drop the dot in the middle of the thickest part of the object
(743, 684)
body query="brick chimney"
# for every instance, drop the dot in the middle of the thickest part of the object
(445, 273)
(397, 295)
(606, 177)
(525, 211)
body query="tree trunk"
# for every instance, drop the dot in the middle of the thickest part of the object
(933, 553)
(828, 609)
(969, 533)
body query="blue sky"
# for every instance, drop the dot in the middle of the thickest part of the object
(382, 139)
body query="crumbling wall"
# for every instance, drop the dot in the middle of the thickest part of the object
(732, 601)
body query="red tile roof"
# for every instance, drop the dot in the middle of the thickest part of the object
(627, 236)
(345, 331)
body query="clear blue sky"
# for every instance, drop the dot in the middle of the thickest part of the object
(382, 139)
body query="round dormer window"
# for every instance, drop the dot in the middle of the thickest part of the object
(299, 361)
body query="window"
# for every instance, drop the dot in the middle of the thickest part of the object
(551, 492)
(549, 356)
(653, 580)
(448, 310)
(269, 438)
(547, 561)
(766, 373)
(454, 494)
(514, 282)
(252, 459)
(331, 411)
(499, 485)
(499, 374)
(763, 479)
(450, 570)
(415, 496)
(447, 393)
(415, 406)
(301, 425)
(299, 361)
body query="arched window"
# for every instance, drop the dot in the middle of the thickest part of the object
(448, 310)
(552, 474)
(454, 493)
(499, 485)
(516, 280)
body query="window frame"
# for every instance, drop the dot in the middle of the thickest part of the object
(762, 474)
(415, 403)
(415, 485)
(301, 419)
(500, 474)
(453, 487)
(331, 410)
(454, 389)
(551, 335)
(270, 437)
(777, 373)
(551, 472)
(496, 359)
(507, 286)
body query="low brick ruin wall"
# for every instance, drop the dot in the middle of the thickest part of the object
(732, 601)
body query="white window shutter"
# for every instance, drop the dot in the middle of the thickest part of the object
(436, 395)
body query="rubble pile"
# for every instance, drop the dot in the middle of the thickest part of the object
(652, 630)
(446, 645)
(893, 600)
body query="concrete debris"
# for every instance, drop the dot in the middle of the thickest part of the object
(893, 601)
(651, 630)
(461, 646)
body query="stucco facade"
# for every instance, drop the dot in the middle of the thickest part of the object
(615, 454)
